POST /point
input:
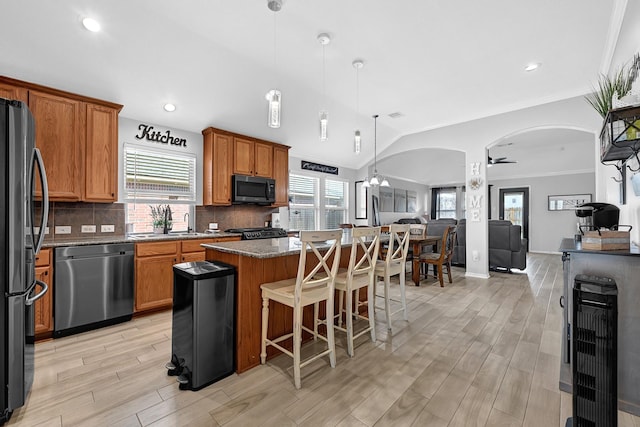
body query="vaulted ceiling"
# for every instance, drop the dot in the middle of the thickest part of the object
(434, 62)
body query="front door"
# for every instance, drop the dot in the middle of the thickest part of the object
(514, 206)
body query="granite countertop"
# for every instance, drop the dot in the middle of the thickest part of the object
(134, 238)
(267, 248)
(571, 245)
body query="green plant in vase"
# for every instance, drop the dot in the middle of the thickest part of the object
(162, 219)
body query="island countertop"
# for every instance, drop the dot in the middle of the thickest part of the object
(267, 248)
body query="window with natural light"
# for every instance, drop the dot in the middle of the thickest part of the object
(155, 178)
(443, 202)
(317, 203)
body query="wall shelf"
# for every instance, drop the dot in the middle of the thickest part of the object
(620, 135)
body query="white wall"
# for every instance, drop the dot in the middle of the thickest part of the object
(546, 228)
(127, 131)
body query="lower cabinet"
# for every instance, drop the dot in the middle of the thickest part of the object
(44, 306)
(154, 269)
(154, 274)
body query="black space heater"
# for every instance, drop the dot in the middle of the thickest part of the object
(595, 352)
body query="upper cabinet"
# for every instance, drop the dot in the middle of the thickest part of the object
(58, 136)
(217, 167)
(281, 174)
(78, 139)
(226, 154)
(252, 157)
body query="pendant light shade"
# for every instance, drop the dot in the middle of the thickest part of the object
(274, 97)
(324, 122)
(376, 179)
(357, 140)
(324, 40)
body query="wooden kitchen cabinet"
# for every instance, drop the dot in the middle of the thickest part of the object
(154, 274)
(78, 139)
(59, 138)
(252, 157)
(44, 306)
(8, 91)
(217, 167)
(101, 160)
(192, 251)
(281, 174)
(226, 153)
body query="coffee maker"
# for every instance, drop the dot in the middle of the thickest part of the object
(595, 216)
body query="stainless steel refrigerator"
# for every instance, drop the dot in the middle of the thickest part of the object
(20, 166)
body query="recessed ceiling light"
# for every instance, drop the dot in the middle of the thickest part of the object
(532, 66)
(169, 107)
(91, 24)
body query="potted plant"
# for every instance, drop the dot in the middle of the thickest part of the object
(162, 219)
(610, 90)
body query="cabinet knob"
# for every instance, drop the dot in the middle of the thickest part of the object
(46, 273)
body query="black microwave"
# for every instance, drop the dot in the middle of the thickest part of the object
(253, 189)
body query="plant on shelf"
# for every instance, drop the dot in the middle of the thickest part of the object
(612, 89)
(162, 219)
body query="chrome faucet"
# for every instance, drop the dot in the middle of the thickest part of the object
(187, 218)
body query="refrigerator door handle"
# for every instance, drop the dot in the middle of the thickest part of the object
(30, 300)
(37, 160)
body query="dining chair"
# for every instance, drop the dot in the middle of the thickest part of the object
(305, 289)
(394, 264)
(444, 256)
(359, 274)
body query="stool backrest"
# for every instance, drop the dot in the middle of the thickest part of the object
(312, 243)
(398, 243)
(366, 240)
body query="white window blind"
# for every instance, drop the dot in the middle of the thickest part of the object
(335, 203)
(303, 208)
(153, 175)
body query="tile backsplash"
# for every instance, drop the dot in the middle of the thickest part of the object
(75, 215)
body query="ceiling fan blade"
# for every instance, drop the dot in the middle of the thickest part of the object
(505, 161)
(499, 159)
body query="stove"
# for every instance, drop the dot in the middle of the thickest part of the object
(259, 233)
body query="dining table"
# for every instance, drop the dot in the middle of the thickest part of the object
(417, 242)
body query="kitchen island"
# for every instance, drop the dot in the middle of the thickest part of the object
(623, 266)
(257, 262)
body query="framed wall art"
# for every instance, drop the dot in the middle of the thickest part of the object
(567, 202)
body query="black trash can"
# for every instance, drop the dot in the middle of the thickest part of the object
(203, 333)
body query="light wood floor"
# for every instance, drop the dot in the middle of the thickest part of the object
(475, 353)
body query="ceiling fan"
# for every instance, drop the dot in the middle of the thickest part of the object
(499, 161)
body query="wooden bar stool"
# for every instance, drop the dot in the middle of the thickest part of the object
(304, 290)
(394, 263)
(359, 274)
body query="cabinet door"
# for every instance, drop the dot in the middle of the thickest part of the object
(281, 175)
(58, 122)
(44, 306)
(17, 93)
(243, 156)
(101, 154)
(263, 161)
(222, 163)
(154, 282)
(193, 256)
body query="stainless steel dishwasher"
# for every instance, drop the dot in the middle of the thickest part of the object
(93, 287)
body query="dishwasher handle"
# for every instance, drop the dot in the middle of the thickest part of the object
(89, 256)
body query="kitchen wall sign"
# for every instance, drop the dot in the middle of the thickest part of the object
(147, 132)
(317, 167)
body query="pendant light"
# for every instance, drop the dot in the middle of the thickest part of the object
(274, 97)
(324, 40)
(375, 179)
(357, 140)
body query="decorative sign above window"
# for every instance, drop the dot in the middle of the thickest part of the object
(147, 132)
(317, 167)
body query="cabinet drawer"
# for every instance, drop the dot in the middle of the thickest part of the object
(43, 257)
(194, 245)
(157, 248)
